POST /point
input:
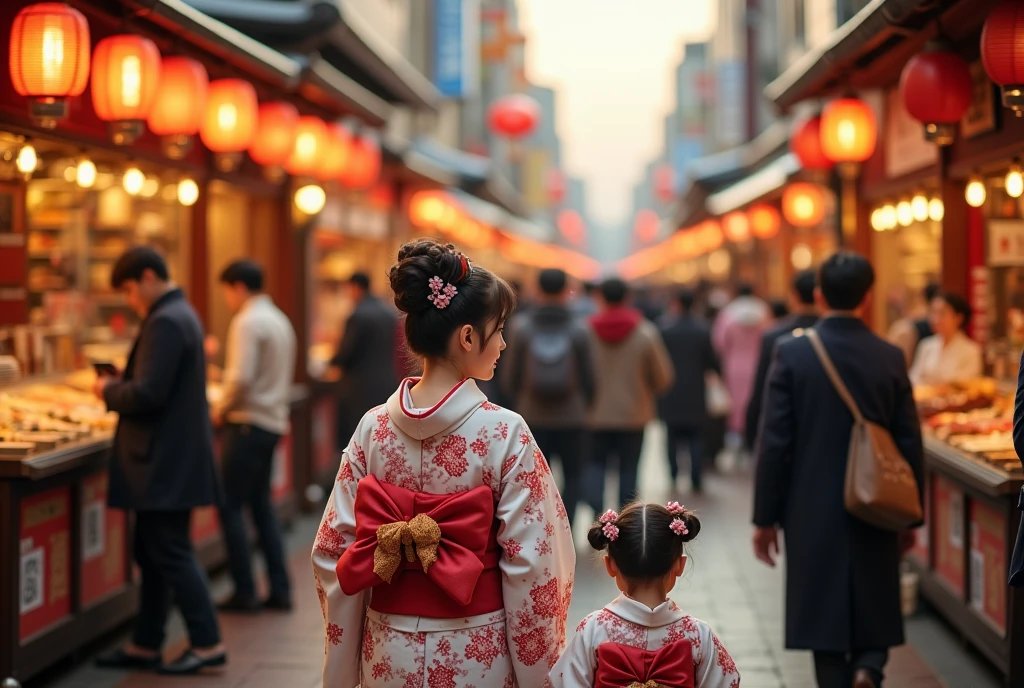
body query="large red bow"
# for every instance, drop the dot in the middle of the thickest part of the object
(620, 666)
(465, 520)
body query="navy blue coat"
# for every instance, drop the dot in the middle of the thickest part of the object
(842, 575)
(1016, 573)
(162, 458)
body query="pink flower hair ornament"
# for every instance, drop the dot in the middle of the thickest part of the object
(611, 531)
(608, 517)
(675, 508)
(440, 293)
(679, 527)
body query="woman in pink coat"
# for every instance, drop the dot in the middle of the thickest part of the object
(737, 337)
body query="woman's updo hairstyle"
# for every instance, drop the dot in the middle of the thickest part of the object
(482, 297)
(646, 546)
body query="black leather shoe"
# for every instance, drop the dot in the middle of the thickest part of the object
(119, 659)
(278, 604)
(240, 605)
(191, 663)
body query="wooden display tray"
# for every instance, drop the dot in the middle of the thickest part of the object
(16, 450)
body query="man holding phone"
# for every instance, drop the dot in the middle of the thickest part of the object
(162, 464)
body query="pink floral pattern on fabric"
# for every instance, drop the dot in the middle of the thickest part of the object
(451, 455)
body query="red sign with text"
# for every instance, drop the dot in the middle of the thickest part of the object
(281, 477)
(102, 543)
(44, 570)
(988, 564)
(949, 533)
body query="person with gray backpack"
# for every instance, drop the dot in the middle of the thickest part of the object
(549, 374)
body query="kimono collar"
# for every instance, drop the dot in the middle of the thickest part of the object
(668, 612)
(456, 406)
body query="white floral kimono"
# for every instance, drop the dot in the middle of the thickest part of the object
(631, 624)
(462, 443)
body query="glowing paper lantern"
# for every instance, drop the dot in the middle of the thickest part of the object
(513, 116)
(803, 205)
(764, 221)
(125, 80)
(180, 104)
(337, 152)
(275, 133)
(848, 131)
(736, 227)
(229, 123)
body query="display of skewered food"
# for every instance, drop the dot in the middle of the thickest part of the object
(47, 415)
(964, 396)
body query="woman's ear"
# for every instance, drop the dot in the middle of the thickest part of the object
(679, 567)
(609, 565)
(466, 337)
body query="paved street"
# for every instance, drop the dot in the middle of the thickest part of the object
(725, 586)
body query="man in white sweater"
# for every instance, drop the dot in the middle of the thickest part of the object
(254, 411)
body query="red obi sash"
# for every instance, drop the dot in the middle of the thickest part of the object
(424, 554)
(619, 666)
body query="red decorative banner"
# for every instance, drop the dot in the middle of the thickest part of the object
(103, 542)
(988, 564)
(922, 546)
(44, 572)
(281, 477)
(325, 452)
(949, 533)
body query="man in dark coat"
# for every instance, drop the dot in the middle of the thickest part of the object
(365, 358)
(162, 464)
(843, 575)
(804, 315)
(684, 407)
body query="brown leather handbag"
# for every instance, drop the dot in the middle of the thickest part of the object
(880, 486)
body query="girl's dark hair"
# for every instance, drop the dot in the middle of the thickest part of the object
(482, 296)
(646, 547)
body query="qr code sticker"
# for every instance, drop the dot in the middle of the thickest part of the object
(32, 580)
(93, 529)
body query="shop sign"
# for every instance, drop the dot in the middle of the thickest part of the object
(1005, 243)
(44, 570)
(457, 47)
(905, 147)
(949, 533)
(281, 477)
(981, 115)
(102, 542)
(919, 551)
(324, 449)
(978, 280)
(988, 564)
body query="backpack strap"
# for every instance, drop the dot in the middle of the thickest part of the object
(833, 374)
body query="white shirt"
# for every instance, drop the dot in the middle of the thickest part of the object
(938, 362)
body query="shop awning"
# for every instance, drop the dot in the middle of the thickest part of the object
(485, 212)
(758, 185)
(477, 175)
(326, 86)
(889, 29)
(337, 33)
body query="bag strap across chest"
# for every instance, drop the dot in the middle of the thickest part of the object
(833, 374)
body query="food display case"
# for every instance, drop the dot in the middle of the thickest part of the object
(973, 482)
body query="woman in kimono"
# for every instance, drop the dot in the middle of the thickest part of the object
(444, 558)
(642, 639)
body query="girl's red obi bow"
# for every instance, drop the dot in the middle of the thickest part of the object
(620, 666)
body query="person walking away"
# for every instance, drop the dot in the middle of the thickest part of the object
(585, 303)
(684, 407)
(549, 373)
(479, 594)
(161, 465)
(805, 315)
(842, 575)
(949, 355)
(365, 358)
(254, 412)
(737, 337)
(633, 369)
(908, 332)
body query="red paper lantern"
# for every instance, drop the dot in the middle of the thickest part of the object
(1002, 54)
(337, 152)
(665, 183)
(426, 208)
(229, 123)
(125, 79)
(646, 225)
(805, 142)
(556, 186)
(49, 58)
(937, 89)
(736, 226)
(275, 133)
(364, 165)
(803, 204)
(180, 104)
(513, 116)
(708, 236)
(570, 224)
(764, 221)
(310, 142)
(848, 131)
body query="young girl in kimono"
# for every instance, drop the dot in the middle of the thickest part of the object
(444, 558)
(642, 639)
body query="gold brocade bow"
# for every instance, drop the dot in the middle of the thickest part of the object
(649, 684)
(420, 536)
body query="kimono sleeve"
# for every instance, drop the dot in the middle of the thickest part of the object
(576, 667)
(343, 615)
(538, 563)
(716, 668)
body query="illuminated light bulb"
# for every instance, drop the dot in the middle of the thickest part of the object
(27, 160)
(150, 187)
(877, 221)
(904, 213)
(919, 205)
(976, 193)
(936, 209)
(310, 199)
(188, 192)
(69, 173)
(1014, 182)
(887, 215)
(85, 173)
(719, 262)
(133, 180)
(801, 257)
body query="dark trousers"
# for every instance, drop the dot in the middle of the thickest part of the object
(836, 669)
(247, 464)
(624, 445)
(691, 437)
(569, 445)
(163, 551)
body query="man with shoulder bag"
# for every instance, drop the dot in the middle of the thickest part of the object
(839, 471)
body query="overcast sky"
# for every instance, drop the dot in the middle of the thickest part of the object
(612, 63)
